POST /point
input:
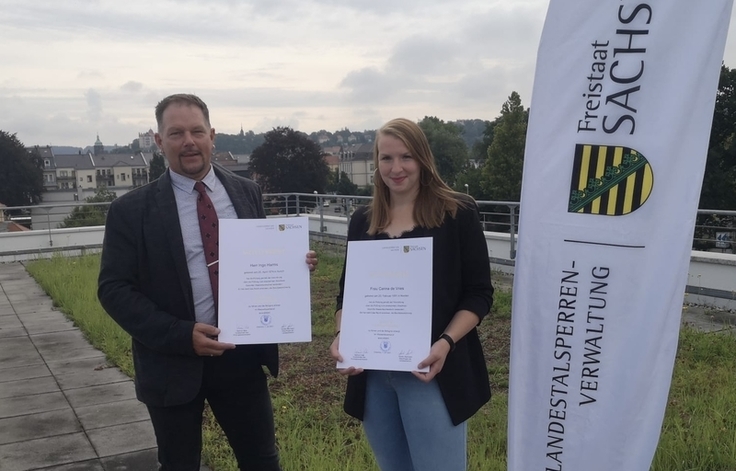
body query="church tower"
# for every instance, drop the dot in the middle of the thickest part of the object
(99, 148)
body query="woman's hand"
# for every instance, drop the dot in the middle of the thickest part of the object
(335, 354)
(312, 260)
(435, 361)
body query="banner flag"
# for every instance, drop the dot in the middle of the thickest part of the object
(616, 146)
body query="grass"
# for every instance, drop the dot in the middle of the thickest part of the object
(313, 433)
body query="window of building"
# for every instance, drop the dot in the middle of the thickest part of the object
(46, 163)
(89, 178)
(122, 177)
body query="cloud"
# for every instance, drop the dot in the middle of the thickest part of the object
(94, 105)
(131, 86)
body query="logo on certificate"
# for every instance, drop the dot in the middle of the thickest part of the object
(413, 248)
(266, 319)
(385, 346)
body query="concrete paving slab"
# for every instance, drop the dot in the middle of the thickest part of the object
(25, 387)
(23, 301)
(145, 460)
(50, 344)
(57, 450)
(18, 406)
(10, 321)
(23, 372)
(35, 317)
(18, 351)
(112, 413)
(27, 289)
(9, 333)
(49, 326)
(91, 465)
(125, 438)
(42, 425)
(10, 273)
(94, 378)
(103, 394)
(64, 352)
(49, 315)
(71, 337)
(19, 281)
(66, 367)
(36, 307)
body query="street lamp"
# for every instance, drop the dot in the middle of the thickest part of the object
(466, 189)
(322, 227)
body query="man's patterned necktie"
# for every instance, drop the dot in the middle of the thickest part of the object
(210, 236)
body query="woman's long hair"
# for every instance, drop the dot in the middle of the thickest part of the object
(435, 199)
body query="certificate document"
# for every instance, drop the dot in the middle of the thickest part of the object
(264, 281)
(387, 304)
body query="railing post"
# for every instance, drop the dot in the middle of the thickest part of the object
(298, 207)
(48, 224)
(512, 234)
(322, 227)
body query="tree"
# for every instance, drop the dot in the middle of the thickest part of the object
(502, 170)
(479, 150)
(473, 177)
(289, 162)
(339, 183)
(21, 178)
(719, 182)
(345, 186)
(447, 145)
(82, 216)
(158, 166)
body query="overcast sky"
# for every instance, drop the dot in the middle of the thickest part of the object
(71, 69)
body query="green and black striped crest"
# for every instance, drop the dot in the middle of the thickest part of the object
(609, 181)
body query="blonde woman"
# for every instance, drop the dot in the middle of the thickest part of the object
(417, 421)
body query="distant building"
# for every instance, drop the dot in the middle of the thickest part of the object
(147, 140)
(49, 166)
(83, 172)
(99, 148)
(226, 159)
(332, 161)
(357, 162)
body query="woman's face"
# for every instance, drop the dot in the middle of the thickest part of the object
(399, 170)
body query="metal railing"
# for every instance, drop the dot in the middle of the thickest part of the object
(715, 230)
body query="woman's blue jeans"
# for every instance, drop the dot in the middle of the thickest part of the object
(408, 426)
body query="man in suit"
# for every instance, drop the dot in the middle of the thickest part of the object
(156, 283)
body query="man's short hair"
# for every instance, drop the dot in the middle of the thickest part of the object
(182, 98)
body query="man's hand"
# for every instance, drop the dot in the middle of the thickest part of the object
(204, 338)
(312, 260)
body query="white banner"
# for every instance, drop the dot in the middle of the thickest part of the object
(618, 134)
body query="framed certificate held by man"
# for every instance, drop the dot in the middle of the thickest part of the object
(264, 283)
